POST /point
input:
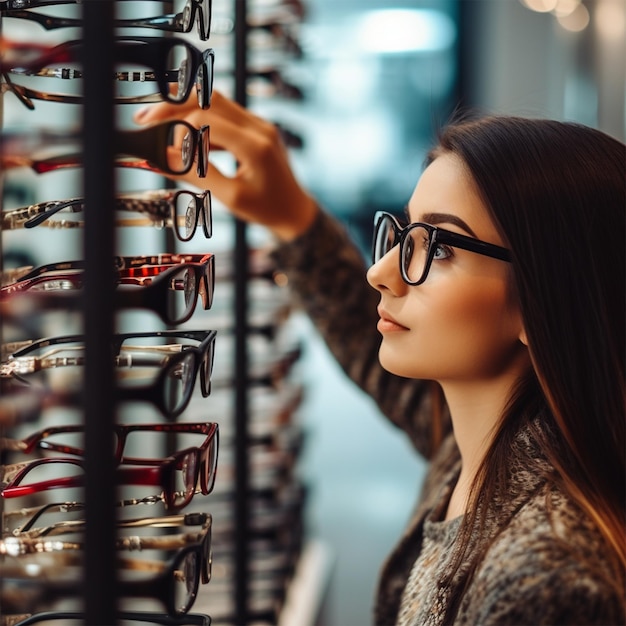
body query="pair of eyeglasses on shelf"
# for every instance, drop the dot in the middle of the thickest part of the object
(180, 476)
(62, 527)
(177, 365)
(133, 265)
(270, 83)
(69, 439)
(188, 13)
(23, 405)
(23, 520)
(175, 65)
(21, 546)
(169, 147)
(175, 583)
(170, 289)
(181, 210)
(128, 618)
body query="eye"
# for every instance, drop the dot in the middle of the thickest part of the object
(442, 252)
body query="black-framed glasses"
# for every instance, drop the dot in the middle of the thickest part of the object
(169, 147)
(130, 618)
(175, 584)
(182, 21)
(421, 243)
(175, 65)
(181, 210)
(178, 365)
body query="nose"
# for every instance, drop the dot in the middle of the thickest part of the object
(384, 275)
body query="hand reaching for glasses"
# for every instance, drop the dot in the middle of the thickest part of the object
(263, 189)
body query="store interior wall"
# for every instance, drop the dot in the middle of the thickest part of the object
(364, 476)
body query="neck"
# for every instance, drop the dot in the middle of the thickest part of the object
(475, 409)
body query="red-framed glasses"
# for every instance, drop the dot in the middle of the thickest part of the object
(179, 476)
(156, 287)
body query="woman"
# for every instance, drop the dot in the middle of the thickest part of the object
(505, 292)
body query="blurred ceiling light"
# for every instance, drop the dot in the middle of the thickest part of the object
(610, 19)
(576, 21)
(404, 30)
(541, 6)
(565, 7)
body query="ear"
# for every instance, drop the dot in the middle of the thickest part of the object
(522, 337)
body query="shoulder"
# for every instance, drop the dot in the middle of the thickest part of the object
(549, 565)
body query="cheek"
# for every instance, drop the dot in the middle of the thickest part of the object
(469, 330)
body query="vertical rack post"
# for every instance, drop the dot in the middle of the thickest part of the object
(100, 580)
(241, 360)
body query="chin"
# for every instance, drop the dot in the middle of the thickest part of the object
(394, 366)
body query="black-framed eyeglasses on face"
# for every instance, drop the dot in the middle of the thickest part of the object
(176, 66)
(182, 210)
(182, 21)
(421, 243)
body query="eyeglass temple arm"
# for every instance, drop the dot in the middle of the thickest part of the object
(475, 245)
(147, 143)
(49, 22)
(18, 91)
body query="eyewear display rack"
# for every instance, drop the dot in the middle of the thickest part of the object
(99, 575)
(95, 307)
(100, 588)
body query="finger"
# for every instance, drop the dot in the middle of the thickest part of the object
(240, 141)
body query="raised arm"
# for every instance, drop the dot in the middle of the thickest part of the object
(325, 268)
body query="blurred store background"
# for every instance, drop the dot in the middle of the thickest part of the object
(379, 76)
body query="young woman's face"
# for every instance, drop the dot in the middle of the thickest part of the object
(461, 323)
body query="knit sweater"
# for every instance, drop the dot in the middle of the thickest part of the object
(545, 563)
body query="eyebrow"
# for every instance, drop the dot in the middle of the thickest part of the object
(442, 218)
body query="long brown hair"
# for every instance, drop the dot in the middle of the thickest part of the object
(556, 192)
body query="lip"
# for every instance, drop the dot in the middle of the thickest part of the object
(386, 323)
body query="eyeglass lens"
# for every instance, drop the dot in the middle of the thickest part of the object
(190, 213)
(184, 479)
(413, 250)
(185, 581)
